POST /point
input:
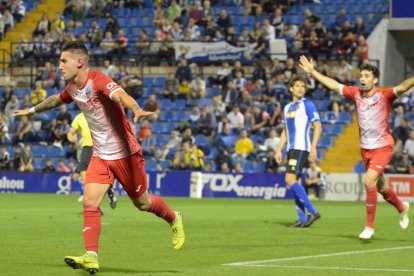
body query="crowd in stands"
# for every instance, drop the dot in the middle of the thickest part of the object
(11, 13)
(229, 121)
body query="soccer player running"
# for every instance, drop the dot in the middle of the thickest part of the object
(116, 152)
(298, 116)
(373, 107)
(80, 125)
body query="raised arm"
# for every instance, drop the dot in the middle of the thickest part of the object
(48, 104)
(404, 86)
(120, 96)
(309, 67)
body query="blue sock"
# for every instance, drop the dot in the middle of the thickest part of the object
(80, 186)
(300, 208)
(300, 193)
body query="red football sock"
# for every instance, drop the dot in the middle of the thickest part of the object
(91, 227)
(393, 199)
(371, 206)
(161, 209)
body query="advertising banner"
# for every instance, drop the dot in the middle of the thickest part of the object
(213, 52)
(344, 187)
(403, 185)
(248, 185)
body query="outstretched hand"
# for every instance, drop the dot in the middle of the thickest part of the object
(307, 65)
(141, 114)
(21, 112)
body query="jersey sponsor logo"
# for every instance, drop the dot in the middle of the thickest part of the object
(316, 115)
(231, 183)
(291, 114)
(378, 166)
(111, 86)
(293, 162)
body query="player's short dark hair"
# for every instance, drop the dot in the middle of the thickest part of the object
(371, 68)
(296, 79)
(75, 46)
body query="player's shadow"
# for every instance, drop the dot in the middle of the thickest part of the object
(134, 271)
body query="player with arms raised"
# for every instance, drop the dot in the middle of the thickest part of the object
(116, 152)
(373, 107)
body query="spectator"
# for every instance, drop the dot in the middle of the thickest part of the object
(238, 168)
(244, 147)
(143, 43)
(95, 34)
(311, 17)
(78, 14)
(224, 20)
(290, 70)
(402, 132)
(224, 167)
(222, 76)
(207, 122)
(259, 73)
(273, 141)
(134, 85)
(26, 160)
(268, 30)
(4, 129)
(148, 144)
(182, 158)
(63, 114)
(277, 21)
(183, 71)
(26, 102)
(340, 19)
(196, 12)
(184, 89)
(231, 36)
(188, 136)
(109, 69)
(198, 88)
(120, 47)
(237, 68)
(57, 26)
(152, 105)
(217, 107)
(194, 30)
(11, 107)
(170, 87)
(107, 44)
(362, 50)
(62, 132)
(48, 166)
(43, 26)
(245, 39)
(6, 97)
(409, 144)
(38, 94)
(229, 94)
(5, 160)
(172, 146)
(18, 10)
(271, 166)
(111, 25)
(62, 167)
(313, 178)
(52, 132)
(359, 29)
(8, 21)
(48, 75)
(144, 130)
(403, 163)
(260, 120)
(177, 32)
(236, 119)
(239, 82)
(174, 12)
(17, 158)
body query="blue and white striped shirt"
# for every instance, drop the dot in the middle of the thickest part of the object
(297, 117)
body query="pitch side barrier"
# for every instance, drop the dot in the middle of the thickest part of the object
(338, 187)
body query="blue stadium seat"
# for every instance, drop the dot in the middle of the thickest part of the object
(344, 118)
(213, 153)
(248, 166)
(178, 104)
(166, 116)
(150, 165)
(179, 116)
(55, 152)
(148, 81)
(359, 168)
(325, 142)
(38, 164)
(201, 140)
(335, 130)
(161, 140)
(329, 117)
(168, 127)
(159, 81)
(157, 128)
(165, 165)
(260, 167)
(39, 151)
(165, 104)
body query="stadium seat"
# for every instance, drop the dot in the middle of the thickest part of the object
(148, 81)
(329, 118)
(335, 130)
(325, 142)
(166, 116)
(165, 104)
(248, 167)
(159, 82)
(165, 165)
(150, 165)
(55, 152)
(201, 140)
(39, 151)
(344, 118)
(260, 167)
(359, 168)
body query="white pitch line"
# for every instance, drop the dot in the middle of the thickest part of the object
(321, 256)
(334, 268)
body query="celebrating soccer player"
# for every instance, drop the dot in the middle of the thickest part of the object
(116, 152)
(373, 107)
(298, 116)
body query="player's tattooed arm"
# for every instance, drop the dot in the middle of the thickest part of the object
(127, 101)
(404, 86)
(49, 103)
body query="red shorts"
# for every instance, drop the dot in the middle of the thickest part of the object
(377, 159)
(129, 171)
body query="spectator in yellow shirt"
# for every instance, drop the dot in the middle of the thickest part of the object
(244, 146)
(189, 158)
(39, 94)
(184, 89)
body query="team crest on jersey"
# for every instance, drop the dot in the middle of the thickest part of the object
(88, 92)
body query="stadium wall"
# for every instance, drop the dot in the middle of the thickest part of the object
(338, 187)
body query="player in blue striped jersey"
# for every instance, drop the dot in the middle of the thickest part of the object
(298, 117)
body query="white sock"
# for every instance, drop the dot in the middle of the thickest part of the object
(92, 252)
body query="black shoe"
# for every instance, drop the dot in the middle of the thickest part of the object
(112, 198)
(311, 219)
(297, 224)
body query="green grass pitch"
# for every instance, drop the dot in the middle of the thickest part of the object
(37, 231)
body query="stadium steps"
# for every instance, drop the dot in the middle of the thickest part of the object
(345, 153)
(29, 23)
